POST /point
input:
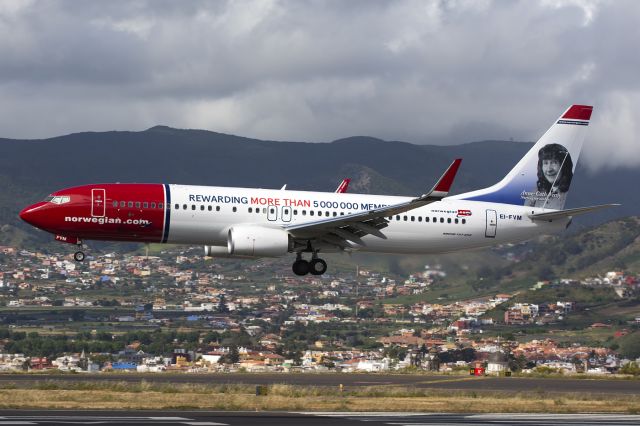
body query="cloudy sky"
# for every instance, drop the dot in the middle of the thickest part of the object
(419, 71)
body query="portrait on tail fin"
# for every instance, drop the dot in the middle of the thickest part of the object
(555, 172)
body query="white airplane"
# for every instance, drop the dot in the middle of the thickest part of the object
(246, 222)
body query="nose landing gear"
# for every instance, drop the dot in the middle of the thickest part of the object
(78, 256)
(315, 266)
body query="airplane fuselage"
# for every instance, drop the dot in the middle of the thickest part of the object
(185, 214)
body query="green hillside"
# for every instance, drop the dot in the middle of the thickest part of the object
(590, 252)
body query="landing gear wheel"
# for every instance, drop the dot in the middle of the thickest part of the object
(78, 256)
(317, 266)
(300, 267)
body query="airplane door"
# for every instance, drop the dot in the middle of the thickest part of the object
(97, 202)
(272, 213)
(286, 214)
(492, 224)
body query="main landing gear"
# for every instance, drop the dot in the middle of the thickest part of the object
(315, 266)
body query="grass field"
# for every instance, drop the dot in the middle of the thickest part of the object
(120, 395)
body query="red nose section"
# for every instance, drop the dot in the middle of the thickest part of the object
(34, 215)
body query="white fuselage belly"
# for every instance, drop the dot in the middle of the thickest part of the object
(205, 214)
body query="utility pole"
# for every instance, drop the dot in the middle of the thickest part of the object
(357, 285)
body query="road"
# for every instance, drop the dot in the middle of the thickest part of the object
(462, 383)
(212, 418)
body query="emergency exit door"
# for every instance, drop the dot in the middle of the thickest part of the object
(98, 200)
(492, 224)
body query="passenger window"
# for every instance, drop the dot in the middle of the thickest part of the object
(153, 205)
(184, 207)
(295, 212)
(464, 221)
(257, 211)
(123, 204)
(413, 218)
(235, 209)
(341, 213)
(435, 219)
(217, 208)
(419, 218)
(304, 212)
(326, 214)
(456, 220)
(448, 220)
(137, 204)
(202, 207)
(250, 210)
(311, 213)
(335, 214)
(145, 205)
(115, 204)
(130, 204)
(426, 219)
(405, 218)
(398, 217)
(193, 206)
(209, 208)
(271, 211)
(160, 205)
(177, 206)
(442, 220)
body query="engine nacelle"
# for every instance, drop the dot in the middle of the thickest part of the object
(258, 241)
(222, 252)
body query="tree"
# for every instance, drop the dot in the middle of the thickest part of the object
(234, 355)
(222, 305)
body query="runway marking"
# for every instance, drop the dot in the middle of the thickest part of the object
(448, 419)
(15, 422)
(205, 423)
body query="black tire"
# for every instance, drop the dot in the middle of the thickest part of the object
(300, 267)
(78, 256)
(317, 267)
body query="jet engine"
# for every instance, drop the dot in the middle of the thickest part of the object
(222, 252)
(258, 241)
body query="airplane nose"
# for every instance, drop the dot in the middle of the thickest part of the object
(32, 214)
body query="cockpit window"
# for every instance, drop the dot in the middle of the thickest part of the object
(48, 198)
(60, 199)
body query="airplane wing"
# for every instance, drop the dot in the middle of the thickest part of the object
(342, 230)
(342, 188)
(561, 214)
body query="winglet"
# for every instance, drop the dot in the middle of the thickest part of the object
(442, 187)
(342, 188)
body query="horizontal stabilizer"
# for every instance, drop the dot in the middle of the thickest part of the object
(561, 214)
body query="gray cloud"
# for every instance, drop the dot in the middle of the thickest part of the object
(420, 71)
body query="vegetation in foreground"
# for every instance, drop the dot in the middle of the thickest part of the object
(144, 395)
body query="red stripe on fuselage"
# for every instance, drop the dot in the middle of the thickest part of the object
(140, 218)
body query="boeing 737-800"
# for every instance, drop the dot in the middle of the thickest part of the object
(245, 222)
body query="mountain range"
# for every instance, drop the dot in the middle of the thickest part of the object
(31, 169)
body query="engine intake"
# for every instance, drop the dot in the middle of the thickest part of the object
(258, 241)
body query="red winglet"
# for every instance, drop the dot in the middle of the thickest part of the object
(445, 182)
(578, 112)
(342, 188)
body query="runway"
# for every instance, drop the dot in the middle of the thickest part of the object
(213, 418)
(453, 383)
